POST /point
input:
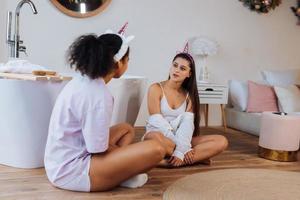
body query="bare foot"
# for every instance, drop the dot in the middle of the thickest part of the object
(165, 164)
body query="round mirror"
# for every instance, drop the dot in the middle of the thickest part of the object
(81, 8)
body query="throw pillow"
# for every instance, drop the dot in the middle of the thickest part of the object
(289, 98)
(281, 77)
(238, 94)
(261, 98)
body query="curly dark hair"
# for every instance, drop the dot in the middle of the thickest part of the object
(94, 56)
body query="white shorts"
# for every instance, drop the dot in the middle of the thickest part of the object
(80, 183)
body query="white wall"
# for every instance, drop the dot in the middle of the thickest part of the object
(248, 41)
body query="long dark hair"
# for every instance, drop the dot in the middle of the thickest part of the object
(190, 85)
(94, 56)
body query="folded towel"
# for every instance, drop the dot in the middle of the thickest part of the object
(19, 66)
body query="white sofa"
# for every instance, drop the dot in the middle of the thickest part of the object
(236, 115)
(246, 122)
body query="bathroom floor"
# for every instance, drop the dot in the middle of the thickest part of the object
(33, 184)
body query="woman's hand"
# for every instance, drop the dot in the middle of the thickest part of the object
(189, 157)
(175, 162)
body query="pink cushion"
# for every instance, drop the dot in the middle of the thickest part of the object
(261, 98)
(274, 135)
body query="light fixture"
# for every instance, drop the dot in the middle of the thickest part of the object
(82, 8)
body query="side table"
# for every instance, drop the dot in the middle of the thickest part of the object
(211, 93)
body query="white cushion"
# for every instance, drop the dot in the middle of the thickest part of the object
(289, 98)
(238, 94)
(281, 77)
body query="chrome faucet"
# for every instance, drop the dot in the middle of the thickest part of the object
(14, 44)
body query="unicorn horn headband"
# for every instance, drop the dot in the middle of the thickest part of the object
(122, 30)
(125, 42)
(186, 48)
(186, 51)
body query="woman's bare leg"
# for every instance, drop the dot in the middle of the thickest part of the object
(204, 147)
(121, 134)
(166, 142)
(207, 146)
(108, 170)
(123, 160)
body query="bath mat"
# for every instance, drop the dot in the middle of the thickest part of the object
(236, 184)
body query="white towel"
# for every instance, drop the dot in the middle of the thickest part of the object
(180, 131)
(19, 66)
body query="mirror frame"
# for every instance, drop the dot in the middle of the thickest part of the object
(78, 14)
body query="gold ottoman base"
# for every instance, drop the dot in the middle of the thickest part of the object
(277, 155)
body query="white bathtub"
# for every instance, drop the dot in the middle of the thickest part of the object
(128, 92)
(26, 106)
(25, 109)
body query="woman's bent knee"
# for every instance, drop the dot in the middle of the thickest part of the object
(157, 149)
(128, 127)
(155, 136)
(223, 143)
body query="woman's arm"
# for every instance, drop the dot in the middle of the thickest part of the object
(154, 96)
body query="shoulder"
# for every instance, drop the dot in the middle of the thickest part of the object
(93, 93)
(155, 87)
(155, 90)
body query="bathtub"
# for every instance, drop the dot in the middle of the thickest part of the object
(26, 106)
(128, 92)
(25, 109)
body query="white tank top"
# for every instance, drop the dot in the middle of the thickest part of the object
(169, 113)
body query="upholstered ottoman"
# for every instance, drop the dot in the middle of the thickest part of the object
(279, 136)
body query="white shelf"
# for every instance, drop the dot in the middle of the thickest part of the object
(211, 93)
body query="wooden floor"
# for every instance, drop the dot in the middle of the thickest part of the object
(33, 184)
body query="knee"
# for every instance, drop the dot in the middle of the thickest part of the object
(222, 143)
(158, 149)
(167, 144)
(155, 136)
(128, 128)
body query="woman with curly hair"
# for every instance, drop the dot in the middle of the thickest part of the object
(83, 153)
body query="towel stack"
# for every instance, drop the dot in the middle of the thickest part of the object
(24, 70)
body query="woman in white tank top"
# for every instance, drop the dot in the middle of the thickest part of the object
(168, 112)
(174, 119)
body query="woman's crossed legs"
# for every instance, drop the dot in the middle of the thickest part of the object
(123, 160)
(204, 147)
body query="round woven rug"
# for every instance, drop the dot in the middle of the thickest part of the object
(236, 184)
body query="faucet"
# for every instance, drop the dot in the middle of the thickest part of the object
(14, 43)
